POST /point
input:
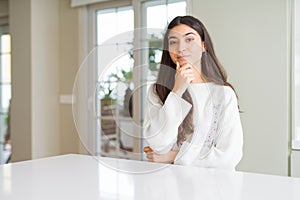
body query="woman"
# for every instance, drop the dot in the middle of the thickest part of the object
(192, 115)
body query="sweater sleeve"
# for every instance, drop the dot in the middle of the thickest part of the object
(161, 122)
(227, 151)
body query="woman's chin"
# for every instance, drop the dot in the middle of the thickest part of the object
(182, 62)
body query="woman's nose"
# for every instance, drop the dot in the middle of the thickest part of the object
(181, 46)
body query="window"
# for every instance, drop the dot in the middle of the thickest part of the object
(296, 75)
(126, 65)
(5, 93)
(156, 25)
(114, 38)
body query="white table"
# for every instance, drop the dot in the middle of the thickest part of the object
(86, 177)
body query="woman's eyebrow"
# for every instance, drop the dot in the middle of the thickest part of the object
(189, 33)
(172, 37)
(184, 35)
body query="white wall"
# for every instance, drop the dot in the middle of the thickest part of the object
(44, 64)
(35, 78)
(69, 63)
(45, 77)
(20, 29)
(252, 41)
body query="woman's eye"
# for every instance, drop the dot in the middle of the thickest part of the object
(189, 39)
(172, 42)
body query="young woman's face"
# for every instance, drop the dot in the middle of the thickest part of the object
(185, 45)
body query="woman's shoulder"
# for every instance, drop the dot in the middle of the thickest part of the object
(223, 92)
(230, 95)
(229, 91)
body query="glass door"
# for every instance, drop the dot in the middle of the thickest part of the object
(114, 27)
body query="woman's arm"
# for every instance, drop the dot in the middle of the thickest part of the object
(162, 121)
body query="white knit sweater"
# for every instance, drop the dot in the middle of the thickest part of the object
(217, 141)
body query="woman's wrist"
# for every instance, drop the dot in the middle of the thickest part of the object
(173, 155)
(177, 92)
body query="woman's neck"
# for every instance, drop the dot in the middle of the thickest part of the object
(198, 80)
(198, 75)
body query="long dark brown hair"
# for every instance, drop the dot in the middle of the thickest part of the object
(211, 71)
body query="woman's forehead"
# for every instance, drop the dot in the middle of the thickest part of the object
(182, 30)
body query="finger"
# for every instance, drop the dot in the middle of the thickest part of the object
(150, 155)
(184, 67)
(177, 65)
(186, 64)
(147, 149)
(187, 73)
(150, 158)
(190, 79)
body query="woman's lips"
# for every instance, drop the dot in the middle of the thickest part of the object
(181, 57)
